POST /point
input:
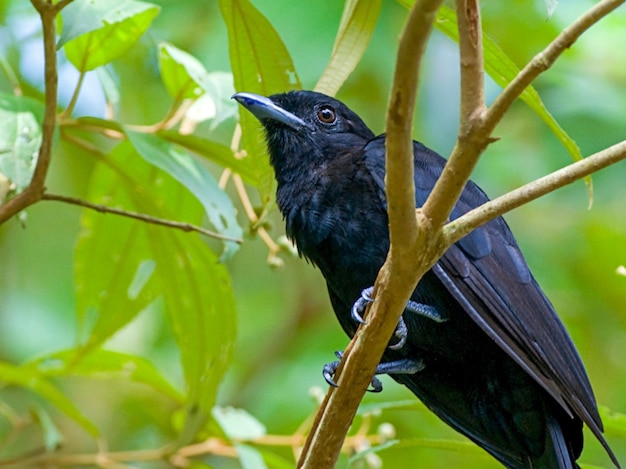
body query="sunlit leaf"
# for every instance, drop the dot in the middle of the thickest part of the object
(105, 364)
(219, 88)
(261, 64)
(181, 73)
(355, 31)
(20, 138)
(238, 424)
(196, 178)
(250, 457)
(29, 379)
(97, 31)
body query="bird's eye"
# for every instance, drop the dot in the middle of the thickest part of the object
(327, 115)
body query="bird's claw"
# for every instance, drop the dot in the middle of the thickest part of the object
(358, 309)
(407, 366)
(330, 369)
(401, 332)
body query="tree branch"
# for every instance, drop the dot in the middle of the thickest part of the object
(366, 348)
(458, 228)
(545, 59)
(34, 191)
(138, 216)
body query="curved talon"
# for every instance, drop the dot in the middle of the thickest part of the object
(401, 332)
(361, 304)
(330, 368)
(377, 385)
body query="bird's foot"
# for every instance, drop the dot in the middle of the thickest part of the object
(401, 332)
(405, 366)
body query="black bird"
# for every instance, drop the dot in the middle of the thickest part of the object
(480, 344)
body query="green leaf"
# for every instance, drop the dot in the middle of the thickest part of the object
(110, 254)
(249, 457)
(355, 31)
(261, 64)
(29, 379)
(196, 178)
(105, 364)
(52, 437)
(20, 138)
(195, 287)
(109, 86)
(95, 32)
(182, 74)
(238, 424)
(212, 151)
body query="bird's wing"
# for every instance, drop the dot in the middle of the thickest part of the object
(487, 274)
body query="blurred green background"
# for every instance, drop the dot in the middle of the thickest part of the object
(286, 328)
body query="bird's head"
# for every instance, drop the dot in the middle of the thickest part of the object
(305, 126)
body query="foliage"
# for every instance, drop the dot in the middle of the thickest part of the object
(150, 364)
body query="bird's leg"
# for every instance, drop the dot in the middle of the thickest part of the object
(406, 366)
(401, 332)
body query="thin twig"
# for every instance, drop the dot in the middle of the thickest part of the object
(458, 228)
(138, 216)
(544, 60)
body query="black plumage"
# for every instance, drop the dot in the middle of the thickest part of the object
(501, 368)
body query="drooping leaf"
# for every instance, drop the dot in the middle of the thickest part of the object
(29, 379)
(194, 286)
(261, 64)
(212, 151)
(196, 178)
(182, 74)
(109, 85)
(20, 138)
(109, 255)
(97, 31)
(355, 31)
(104, 364)
(52, 436)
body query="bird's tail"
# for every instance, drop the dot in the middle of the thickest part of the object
(558, 453)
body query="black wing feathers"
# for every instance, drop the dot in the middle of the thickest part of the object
(517, 316)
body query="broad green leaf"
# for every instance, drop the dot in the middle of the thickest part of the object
(103, 364)
(95, 32)
(29, 379)
(212, 151)
(181, 73)
(196, 178)
(110, 253)
(20, 138)
(194, 286)
(52, 437)
(261, 64)
(355, 31)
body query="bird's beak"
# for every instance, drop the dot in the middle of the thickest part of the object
(263, 109)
